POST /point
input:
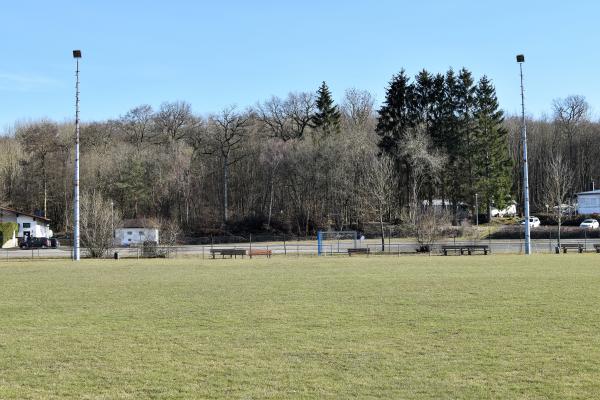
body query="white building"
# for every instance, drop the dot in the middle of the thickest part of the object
(588, 202)
(29, 225)
(136, 231)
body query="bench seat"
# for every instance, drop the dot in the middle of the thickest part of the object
(359, 250)
(469, 248)
(228, 252)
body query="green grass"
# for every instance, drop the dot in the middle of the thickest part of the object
(379, 327)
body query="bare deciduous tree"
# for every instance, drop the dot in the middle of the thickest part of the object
(97, 220)
(137, 124)
(357, 108)
(380, 188)
(287, 119)
(227, 130)
(172, 122)
(300, 107)
(169, 232)
(430, 225)
(557, 186)
(40, 140)
(425, 164)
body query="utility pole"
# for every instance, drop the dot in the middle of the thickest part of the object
(521, 60)
(76, 255)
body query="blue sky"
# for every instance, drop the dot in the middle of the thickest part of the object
(215, 54)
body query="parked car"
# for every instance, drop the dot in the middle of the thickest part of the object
(35, 243)
(534, 222)
(54, 243)
(590, 223)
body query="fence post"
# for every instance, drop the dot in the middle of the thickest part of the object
(284, 246)
(250, 252)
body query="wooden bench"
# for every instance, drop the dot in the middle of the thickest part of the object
(228, 252)
(260, 252)
(359, 250)
(566, 246)
(469, 248)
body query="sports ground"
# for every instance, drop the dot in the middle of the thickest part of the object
(414, 327)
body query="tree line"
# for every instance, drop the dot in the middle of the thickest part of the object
(301, 163)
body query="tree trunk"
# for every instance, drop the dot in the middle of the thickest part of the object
(225, 184)
(270, 205)
(559, 223)
(381, 226)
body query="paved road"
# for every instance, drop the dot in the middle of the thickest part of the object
(306, 248)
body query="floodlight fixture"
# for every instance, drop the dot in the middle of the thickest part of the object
(76, 53)
(520, 58)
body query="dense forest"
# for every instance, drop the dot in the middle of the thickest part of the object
(303, 162)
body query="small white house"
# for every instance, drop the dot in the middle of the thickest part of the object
(588, 202)
(136, 231)
(29, 225)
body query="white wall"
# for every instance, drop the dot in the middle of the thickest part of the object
(35, 229)
(588, 204)
(128, 236)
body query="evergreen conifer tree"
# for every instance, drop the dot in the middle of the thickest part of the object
(490, 148)
(466, 125)
(396, 114)
(396, 117)
(327, 118)
(450, 139)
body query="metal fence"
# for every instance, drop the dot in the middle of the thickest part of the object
(298, 248)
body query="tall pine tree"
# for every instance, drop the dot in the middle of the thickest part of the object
(466, 126)
(490, 148)
(327, 118)
(396, 117)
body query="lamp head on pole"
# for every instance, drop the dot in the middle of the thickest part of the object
(76, 53)
(520, 58)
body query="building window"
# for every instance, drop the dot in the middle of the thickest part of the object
(141, 233)
(129, 233)
(26, 225)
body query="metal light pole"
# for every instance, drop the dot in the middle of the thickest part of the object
(521, 60)
(76, 255)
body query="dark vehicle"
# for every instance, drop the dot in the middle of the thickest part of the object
(54, 243)
(35, 243)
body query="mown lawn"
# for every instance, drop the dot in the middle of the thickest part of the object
(379, 327)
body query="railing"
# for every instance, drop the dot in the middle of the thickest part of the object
(299, 249)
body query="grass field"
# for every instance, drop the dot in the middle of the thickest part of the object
(378, 327)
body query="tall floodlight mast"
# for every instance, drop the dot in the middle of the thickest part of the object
(521, 60)
(76, 255)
